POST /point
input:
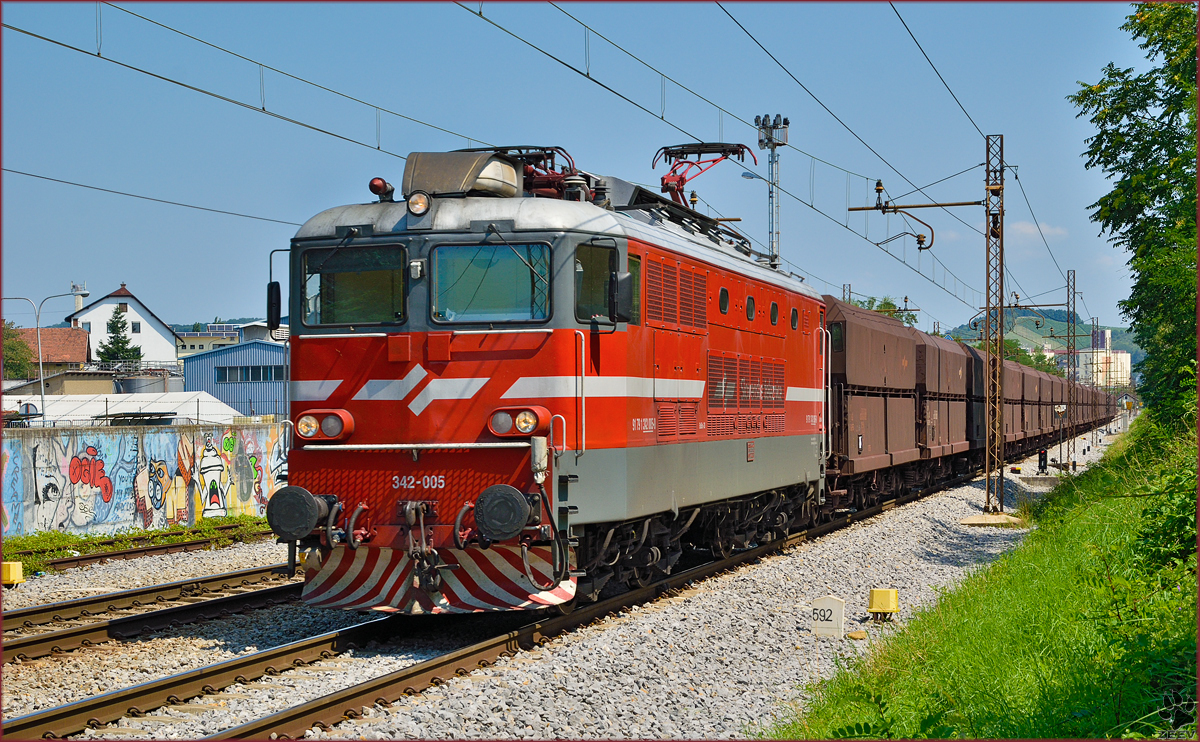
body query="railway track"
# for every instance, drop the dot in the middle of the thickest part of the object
(71, 625)
(345, 703)
(101, 557)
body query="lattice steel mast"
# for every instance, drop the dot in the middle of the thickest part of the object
(993, 325)
(1072, 368)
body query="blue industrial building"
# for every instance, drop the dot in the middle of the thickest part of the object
(250, 377)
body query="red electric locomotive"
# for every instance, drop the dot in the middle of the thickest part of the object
(526, 381)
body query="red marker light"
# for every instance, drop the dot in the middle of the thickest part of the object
(381, 188)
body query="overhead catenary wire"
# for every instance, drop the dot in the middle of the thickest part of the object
(836, 118)
(151, 198)
(936, 182)
(935, 70)
(1038, 224)
(218, 96)
(723, 111)
(276, 70)
(675, 126)
(980, 131)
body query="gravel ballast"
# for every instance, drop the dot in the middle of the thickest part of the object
(717, 661)
(126, 574)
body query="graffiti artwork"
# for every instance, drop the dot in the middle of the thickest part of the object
(100, 481)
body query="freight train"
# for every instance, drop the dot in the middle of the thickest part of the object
(525, 382)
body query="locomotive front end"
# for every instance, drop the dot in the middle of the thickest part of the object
(422, 334)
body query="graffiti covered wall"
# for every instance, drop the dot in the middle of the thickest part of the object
(104, 480)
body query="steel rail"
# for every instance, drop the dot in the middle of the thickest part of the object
(330, 709)
(100, 557)
(84, 607)
(137, 700)
(97, 632)
(383, 690)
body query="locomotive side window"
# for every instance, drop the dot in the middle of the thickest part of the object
(635, 275)
(795, 318)
(593, 273)
(836, 340)
(723, 301)
(821, 323)
(750, 308)
(354, 285)
(774, 313)
(490, 283)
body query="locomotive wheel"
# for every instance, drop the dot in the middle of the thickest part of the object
(722, 549)
(563, 609)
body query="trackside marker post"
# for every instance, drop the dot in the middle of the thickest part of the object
(828, 614)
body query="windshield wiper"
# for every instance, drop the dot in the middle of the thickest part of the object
(492, 228)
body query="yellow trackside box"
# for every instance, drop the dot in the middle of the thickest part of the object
(884, 601)
(12, 573)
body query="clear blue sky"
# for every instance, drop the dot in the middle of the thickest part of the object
(79, 118)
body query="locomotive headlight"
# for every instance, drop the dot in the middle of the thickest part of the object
(501, 423)
(332, 426)
(526, 421)
(418, 203)
(307, 426)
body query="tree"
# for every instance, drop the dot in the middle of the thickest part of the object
(887, 305)
(1014, 352)
(19, 358)
(1146, 143)
(118, 346)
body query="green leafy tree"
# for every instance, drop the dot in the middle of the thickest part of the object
(1146, 144)
(887, 305)
(118, 347)
(19, 359)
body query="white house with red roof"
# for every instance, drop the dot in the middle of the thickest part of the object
(155, 337)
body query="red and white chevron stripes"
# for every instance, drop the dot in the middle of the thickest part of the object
(382, 579)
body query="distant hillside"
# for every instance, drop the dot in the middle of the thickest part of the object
(1021, 327)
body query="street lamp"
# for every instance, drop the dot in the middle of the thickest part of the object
(37, 323)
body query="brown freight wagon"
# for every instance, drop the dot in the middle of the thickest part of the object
(941, 396)
(872, 394)
(976, 390)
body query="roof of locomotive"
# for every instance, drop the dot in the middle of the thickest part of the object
(456, 214)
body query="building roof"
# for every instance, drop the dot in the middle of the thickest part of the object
(59, 344)
(238, 348)
(87, 409)
(19, 388)
(121, 292)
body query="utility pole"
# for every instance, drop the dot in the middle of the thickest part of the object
(1095, 350)
(846, 292)
(770, 136)
(1072, 367)
(993, 325)
(993, 311)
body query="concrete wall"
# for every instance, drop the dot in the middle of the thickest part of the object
(103, 480)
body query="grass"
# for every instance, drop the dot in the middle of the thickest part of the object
(1088, 629)
(50, 545)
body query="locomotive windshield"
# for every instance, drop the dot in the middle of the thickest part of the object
(491, 283)
(354, 285)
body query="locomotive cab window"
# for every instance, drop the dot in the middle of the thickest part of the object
(354, 285)
(594, 265)
(837, 342)
(499, 282)
(723, 301)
